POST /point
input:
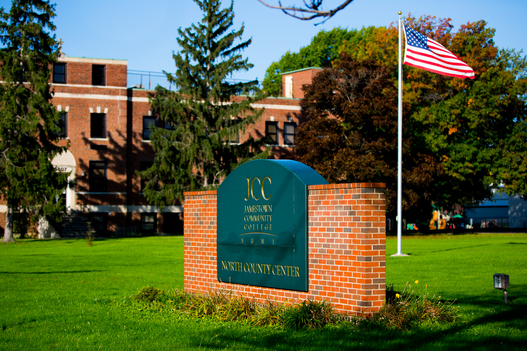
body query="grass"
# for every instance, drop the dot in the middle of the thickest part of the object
(62, 295)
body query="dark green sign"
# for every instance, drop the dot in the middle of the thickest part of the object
(262, 224)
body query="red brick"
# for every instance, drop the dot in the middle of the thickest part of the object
(343, 280)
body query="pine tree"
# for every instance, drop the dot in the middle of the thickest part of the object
(200, 146)
(28, 180)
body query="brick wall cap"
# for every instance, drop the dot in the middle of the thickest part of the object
(346, 186)
(194, 193)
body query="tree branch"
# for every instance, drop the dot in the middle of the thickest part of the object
(311, 9)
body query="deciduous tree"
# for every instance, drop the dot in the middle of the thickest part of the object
(321, 52)
(469, 134)
(311, 9)
(473, 126)
(351, 135)
(28, 180)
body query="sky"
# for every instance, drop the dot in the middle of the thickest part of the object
(144, 32)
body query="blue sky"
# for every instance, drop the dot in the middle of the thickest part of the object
(144, 32)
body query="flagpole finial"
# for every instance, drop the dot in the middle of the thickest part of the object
(400, 13)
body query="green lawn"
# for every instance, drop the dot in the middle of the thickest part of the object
(62, 295)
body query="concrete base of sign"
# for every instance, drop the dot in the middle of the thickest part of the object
(400, 255)
(346, 248)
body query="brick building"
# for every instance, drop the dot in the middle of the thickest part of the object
(106, 124)
(293, 81)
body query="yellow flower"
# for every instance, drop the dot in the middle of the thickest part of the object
(397, 295)
(417, 282)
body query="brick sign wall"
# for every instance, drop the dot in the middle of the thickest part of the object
(346, 248)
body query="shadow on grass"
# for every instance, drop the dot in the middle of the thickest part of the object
(56, 272)
(499, 326)
(517, 295)
(46, 241)
(461, 336)
(344, 338)
(460, 248)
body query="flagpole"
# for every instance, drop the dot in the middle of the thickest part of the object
(400, 148)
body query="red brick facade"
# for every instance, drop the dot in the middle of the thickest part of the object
(122, 148)
(347, 248)
(292, 82)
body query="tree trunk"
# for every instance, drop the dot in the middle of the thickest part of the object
(205, 178)
(8, 233)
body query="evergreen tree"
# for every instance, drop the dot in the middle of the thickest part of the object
(28, 180)
(200, 144)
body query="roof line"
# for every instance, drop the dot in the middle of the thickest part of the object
(300, 70)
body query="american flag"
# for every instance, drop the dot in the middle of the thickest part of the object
(428, 54)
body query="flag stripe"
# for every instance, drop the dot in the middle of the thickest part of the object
(434, 61)
(433, 57)
(435, 69)
(425, 53)
(426, 56)
(441, 51)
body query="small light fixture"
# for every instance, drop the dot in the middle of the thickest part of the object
(501, 281)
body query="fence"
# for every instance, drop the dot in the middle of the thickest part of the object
(150, 79)
(488, 222)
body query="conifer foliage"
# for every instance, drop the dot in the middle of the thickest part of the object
(28, 180)
(198, 144)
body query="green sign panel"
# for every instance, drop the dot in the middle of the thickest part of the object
(262, 224)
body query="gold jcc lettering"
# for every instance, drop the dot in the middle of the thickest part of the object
(260, 184)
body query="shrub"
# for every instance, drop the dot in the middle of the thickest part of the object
(411, 307)
(401, 311)
(237, 308)
(89, 235)
(201, 305)
(269, 313)
(308, 314)
(147, 294)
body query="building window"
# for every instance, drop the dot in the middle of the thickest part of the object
(149, 123)
(289, 133)
(97, 177)
(98, 75)
(143, 167)
(63, 126)
(59, 73)
(271, 132)
(169, 125)
(148, 223)
(98, 126)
